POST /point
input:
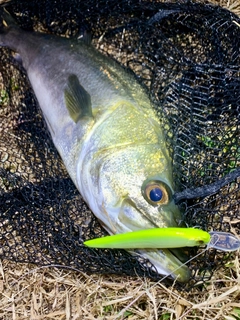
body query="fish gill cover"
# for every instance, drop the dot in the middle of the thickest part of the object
(187, 55)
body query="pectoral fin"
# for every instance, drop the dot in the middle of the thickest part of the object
(77, 99)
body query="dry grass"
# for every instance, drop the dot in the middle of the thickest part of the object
(232, 5)
(50, 293)
(27, 292)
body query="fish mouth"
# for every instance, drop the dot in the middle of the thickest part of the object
(166, 262)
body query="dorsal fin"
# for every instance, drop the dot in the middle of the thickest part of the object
(85, 37)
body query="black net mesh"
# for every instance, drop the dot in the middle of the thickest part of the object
(187, 55)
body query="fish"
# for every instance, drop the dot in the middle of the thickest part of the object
(109, 137)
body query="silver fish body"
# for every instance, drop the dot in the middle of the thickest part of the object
(107, 134)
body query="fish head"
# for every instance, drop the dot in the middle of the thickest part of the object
(136, 189)
(152, 199)
(136, 181)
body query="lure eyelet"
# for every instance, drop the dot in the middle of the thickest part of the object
(156, 193)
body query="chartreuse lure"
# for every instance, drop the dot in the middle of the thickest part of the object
(153, 238)
(162, 238)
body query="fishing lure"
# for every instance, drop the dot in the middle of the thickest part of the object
(153, 238)
(162, 238)
(224, 241)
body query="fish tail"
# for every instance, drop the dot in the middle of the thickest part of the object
(9, 30)
(7, 21)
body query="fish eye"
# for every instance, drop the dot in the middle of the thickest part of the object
(156, 192)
